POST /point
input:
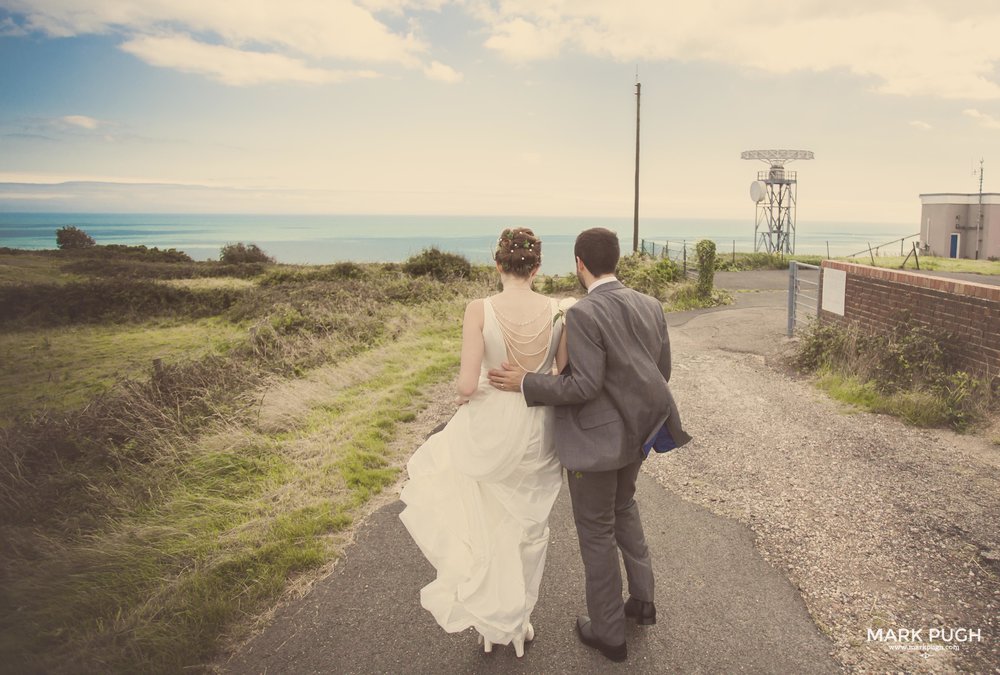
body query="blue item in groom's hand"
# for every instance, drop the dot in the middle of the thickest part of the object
(662, 441)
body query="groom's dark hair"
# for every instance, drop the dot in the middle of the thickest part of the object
(598, 249)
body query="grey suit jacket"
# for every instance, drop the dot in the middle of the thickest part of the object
(613, 395)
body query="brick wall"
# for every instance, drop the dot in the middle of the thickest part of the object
(876, 299)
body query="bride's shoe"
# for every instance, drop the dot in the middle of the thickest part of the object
(487, 645)
(529, 635)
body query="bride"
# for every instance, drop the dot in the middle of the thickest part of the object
(480, 491)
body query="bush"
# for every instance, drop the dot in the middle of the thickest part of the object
(141, 252)
(438, 264)
(705, 251)
(71, 237)
(554, 283)
(909, 369)
(243, 253)
(686, 296)
(647, 275)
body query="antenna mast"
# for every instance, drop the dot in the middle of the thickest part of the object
(774, 193)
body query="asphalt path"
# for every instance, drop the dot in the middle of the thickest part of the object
(721, 607)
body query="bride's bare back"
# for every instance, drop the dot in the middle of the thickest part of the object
(525, 321)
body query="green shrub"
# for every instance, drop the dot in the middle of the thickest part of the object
(705, 251)
(551, 284)
(154, 254)
(243, 253)
(71, 237)
(909, 370)
(438, 264)
(651, 276)
(686, 296)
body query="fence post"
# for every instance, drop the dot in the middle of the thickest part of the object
(792, 284)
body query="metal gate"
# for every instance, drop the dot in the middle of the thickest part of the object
(803, 294)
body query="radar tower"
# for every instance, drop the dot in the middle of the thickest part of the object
(774, 193)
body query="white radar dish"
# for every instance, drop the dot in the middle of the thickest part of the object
(758, 190)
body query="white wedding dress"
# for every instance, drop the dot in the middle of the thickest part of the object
(478, 501)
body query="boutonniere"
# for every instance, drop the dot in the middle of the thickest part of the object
(564, 304)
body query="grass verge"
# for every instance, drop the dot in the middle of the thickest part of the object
(151, 587)
(986, 267)
(919, 408)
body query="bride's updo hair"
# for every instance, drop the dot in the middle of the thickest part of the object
(518, 251)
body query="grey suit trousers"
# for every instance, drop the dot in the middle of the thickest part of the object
(607, 520)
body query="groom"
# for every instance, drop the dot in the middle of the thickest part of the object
(611, 400)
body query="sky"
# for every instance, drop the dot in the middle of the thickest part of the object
(477, 107)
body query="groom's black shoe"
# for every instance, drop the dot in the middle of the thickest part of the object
(587, 637)
(643, 612)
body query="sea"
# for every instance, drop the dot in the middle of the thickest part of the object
(321, 239)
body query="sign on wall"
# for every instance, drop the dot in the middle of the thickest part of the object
(834, 290)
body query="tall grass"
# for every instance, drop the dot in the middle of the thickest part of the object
(61, 369)
(150, 584)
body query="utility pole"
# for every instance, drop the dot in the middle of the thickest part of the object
(979, 227)
(635, 222)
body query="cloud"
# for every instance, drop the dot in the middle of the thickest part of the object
(985, 120)
(439, 71)
(230, 66)
(922, 126)
(295, 40)
(906, 47)
(81, 121)
(521, 40)
(10, 29)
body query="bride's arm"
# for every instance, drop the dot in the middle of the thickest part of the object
(562, 354)
(472, 349)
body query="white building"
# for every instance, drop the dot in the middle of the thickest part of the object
(954, 225)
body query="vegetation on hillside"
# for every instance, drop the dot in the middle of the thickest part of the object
(179, 438)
